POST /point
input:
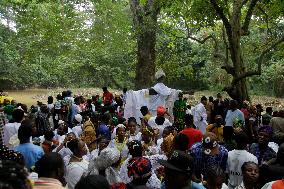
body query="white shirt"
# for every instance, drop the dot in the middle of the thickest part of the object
(138, 137)
(50, 106)
(9, 130)
(236, 158)
(94, 154)
(59, 137)
(241, 186)
(154, 125)
(232, 116)
(74, 172)
(160, 98)
(200, 117)
(77, 130)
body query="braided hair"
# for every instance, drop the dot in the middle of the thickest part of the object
(215, 171)
(13, 175)
(212, 173)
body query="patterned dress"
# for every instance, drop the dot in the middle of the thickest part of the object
(3, 122)
(263, 156)
(179, 114)
(202, 161)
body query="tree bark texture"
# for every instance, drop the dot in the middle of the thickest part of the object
(145, 24)
(238, 89)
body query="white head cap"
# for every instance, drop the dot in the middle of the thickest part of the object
(160, 73)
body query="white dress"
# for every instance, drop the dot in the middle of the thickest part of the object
(121, 147)
(200, 117)
(136, 99)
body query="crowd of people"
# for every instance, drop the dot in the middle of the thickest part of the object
(77, 143)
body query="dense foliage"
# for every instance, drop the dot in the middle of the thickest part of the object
(92, 43)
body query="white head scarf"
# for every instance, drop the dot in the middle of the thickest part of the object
(104, 161)
(114, 130)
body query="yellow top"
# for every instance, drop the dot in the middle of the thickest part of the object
(5, 97)
(218, 131)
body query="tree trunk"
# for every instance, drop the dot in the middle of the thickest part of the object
(145, 24)
(146, 55)
(238, 89)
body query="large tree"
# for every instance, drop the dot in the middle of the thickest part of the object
(227, 24)
(236, 28)
(145, 16)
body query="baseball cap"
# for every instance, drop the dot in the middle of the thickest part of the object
(179, 161)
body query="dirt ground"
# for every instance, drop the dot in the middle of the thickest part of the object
(31, 96)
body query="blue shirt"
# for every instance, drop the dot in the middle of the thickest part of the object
(74, 111)
(32, 153)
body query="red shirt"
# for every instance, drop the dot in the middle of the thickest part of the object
(107, 98)
(245, 112)
(193, 135)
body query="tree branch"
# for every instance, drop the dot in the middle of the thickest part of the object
(221, 14)
(266, 18)
(201, 41)
(248, 17)
(229, 69)
(244, 2)
(226, 46)
(259, 63)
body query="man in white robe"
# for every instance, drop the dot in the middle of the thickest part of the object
(159, 95)
(200, 115)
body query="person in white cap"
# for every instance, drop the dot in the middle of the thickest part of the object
(77, 129)
(158, 95)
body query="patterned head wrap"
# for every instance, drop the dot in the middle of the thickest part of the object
(107, 157)
(266, 129)
(139, 167)
(209, 143)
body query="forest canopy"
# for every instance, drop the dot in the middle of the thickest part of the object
(200, 44)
